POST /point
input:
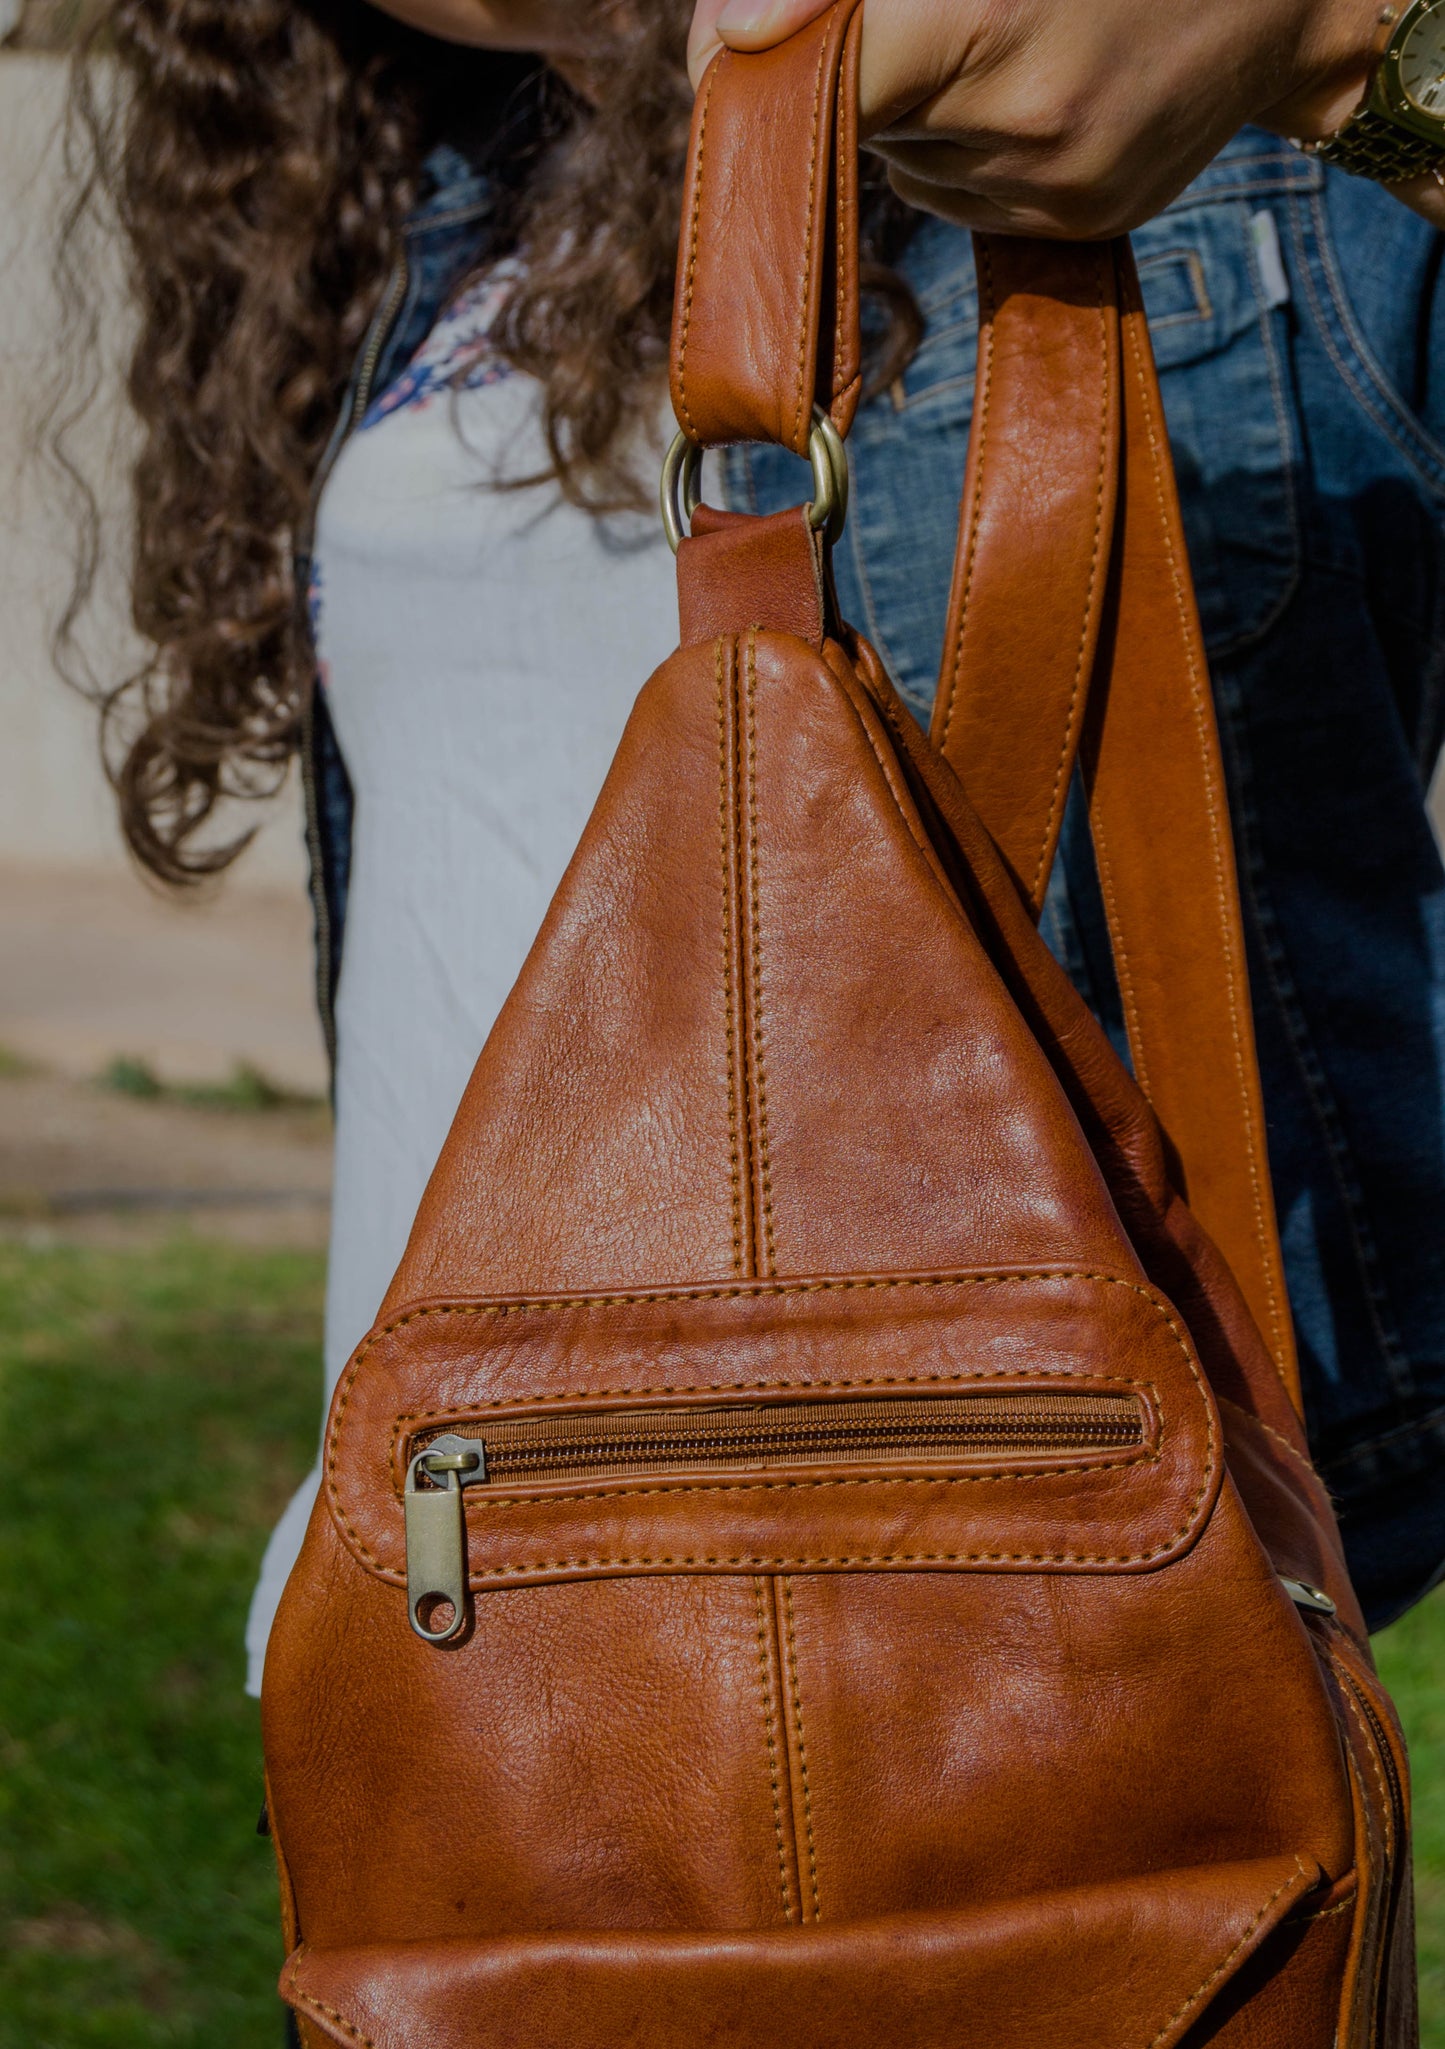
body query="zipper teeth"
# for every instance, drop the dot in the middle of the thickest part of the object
(381, 327)
(382, 322)
(1396, 1797)
(927, 1430)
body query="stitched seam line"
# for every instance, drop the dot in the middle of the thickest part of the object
(766, 1694)
(800, 411)
(802, 1748)
(330, 2013)
(777, 1289)
(1220, 1968)
(842, 176)
(729, 1004)
(983, 393)
(1387, 1826)
(739, 939)
(767, 1246)
(1270, 1431)
(294, 1994)
(1056, 794)
(1123, 963)
(1254, 1138)
(688, 420)
(1103, 1383)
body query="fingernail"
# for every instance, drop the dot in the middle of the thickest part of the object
(744, 18)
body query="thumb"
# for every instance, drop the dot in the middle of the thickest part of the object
(744, 25)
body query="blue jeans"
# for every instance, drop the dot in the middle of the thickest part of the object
(1298, 316)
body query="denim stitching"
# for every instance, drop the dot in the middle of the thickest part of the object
(1351, 354)
(1311, 1069)
(1286, 425)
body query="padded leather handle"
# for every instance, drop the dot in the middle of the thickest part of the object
(766, 318)
(1073, 625)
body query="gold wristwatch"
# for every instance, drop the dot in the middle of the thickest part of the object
(1399, 130)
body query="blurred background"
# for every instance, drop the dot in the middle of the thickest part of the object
(164, 1178)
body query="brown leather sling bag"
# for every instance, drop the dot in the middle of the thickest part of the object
(819, 1548)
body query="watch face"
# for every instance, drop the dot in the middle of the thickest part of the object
(1422, 63)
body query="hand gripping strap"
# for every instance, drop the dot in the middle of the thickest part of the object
(766, 319)
(1073, 620)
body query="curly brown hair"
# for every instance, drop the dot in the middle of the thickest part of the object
(261, 157)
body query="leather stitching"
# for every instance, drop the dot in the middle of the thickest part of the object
(1253, 1138)
(329, 2013)
(298, 1997)
(766, 1694)
(801, 412)
(729, 1002)
(768, 1262)
(983, 393)
(802, 1748)
(1387, 1826)
(842, 177)
(1058, 792)
(1301, 1870)
(360, 1548)
(1278, 1435)
(691, 279)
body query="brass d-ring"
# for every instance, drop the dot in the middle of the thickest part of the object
(682, 482)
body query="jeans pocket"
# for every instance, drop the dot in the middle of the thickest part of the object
(1216, 339)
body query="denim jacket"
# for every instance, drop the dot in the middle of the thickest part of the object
(1298, 317)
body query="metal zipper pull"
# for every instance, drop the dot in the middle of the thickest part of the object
(436, 1531)
(1312, 1599)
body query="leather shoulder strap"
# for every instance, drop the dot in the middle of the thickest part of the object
(1033, 554)
(1067, 626)
(766, 318)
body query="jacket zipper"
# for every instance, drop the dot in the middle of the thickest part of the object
(575, 1449)
(382, 323)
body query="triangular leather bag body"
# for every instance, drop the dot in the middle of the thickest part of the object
(819, 1548)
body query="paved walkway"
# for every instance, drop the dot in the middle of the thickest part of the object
(95, 967)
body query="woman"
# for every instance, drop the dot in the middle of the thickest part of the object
(400, 372)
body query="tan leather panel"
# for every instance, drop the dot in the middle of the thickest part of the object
(975, 1785)
(590, 1755)
(766, 323)
(736, 574)
(1117, 1967)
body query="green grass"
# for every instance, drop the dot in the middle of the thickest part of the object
(157, 1408)
(1411, 1657)
(246, 1087)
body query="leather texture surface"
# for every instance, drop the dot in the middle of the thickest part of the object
(1046, 1970)
(1112, 660)
(791, 1105)
(766, 324)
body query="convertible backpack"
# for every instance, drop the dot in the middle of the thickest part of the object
(819, 1549)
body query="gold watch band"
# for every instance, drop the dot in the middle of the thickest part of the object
(1373, 146)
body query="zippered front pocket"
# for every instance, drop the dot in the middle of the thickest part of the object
(566, 1451)
(982, 1422)
(618, 1444)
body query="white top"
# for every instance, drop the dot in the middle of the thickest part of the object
(480, 650)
